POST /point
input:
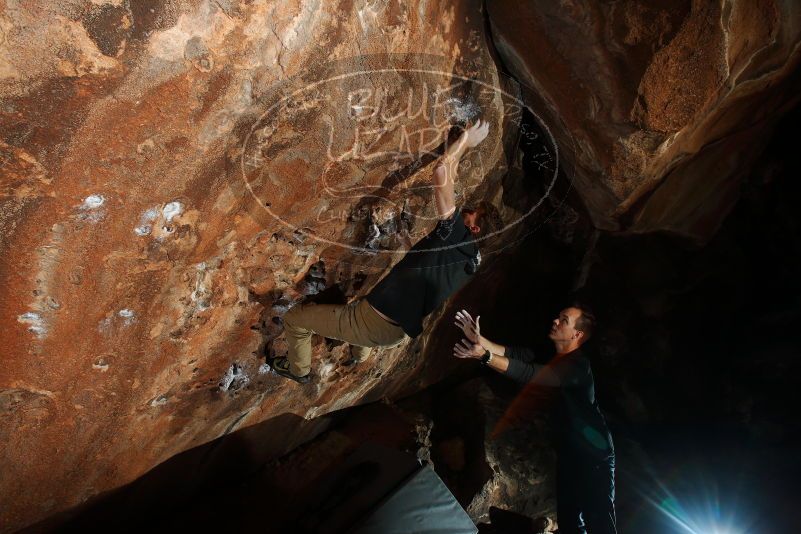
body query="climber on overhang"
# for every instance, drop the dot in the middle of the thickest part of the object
(585, 482)
(434, 268)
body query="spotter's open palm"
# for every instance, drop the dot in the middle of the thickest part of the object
(470, 327)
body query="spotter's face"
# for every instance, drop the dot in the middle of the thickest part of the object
(563, 327)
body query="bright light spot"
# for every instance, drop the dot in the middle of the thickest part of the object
(701, 517)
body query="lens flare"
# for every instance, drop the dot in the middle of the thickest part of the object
(701, 507)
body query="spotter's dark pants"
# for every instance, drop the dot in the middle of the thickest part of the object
(585, 495)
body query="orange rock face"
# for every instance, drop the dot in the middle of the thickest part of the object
(659, 107)
(175, 175)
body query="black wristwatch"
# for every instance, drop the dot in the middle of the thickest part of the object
(486, 358)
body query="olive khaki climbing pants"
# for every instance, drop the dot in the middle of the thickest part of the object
(356, 323)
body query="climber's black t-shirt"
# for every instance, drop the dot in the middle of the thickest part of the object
(435, 268)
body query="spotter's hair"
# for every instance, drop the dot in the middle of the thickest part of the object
(586, 321)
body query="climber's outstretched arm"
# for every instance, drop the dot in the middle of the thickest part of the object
(445, 170)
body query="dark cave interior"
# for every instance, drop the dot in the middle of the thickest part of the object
(697, 365)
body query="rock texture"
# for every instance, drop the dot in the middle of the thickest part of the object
(175, 176)
(493, 448)
(141, 274)
(659, 107)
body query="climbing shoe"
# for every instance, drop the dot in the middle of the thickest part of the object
(357, 355)
(281, 366)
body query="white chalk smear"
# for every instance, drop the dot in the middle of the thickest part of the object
(172, 210)
(148, 216)
(128, 316)
(161, 400)
(93, 202)
(36, 322)
(201, 296)
(235, 378)
(462, 111)
(326, 369)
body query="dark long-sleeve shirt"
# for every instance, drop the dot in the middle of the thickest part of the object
(581, 427)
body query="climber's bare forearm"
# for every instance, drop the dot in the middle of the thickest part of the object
(445, 177)
(444, 195)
